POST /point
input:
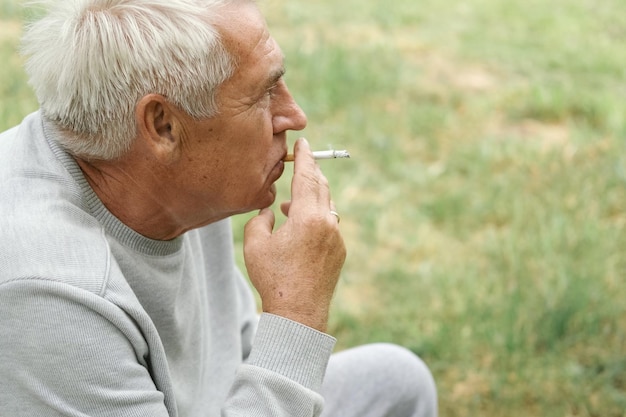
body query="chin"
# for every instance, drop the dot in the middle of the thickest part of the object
(267, 201)
(271, 195)
(262, 200)
(259, 203)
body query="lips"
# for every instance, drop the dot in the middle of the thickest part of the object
(277, 171)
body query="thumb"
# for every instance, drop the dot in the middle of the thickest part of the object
(260, 225)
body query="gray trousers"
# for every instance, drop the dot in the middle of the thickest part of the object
(378, 380)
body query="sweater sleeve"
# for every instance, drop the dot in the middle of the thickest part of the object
(284, 372)
(67, 352)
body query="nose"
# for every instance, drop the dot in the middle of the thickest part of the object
(287, 114)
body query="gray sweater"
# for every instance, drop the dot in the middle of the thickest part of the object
(97, 320)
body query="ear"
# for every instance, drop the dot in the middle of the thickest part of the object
(156, 121)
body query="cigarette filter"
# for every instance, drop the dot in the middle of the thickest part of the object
(330, 154)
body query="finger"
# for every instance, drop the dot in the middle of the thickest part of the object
(309, 186)
(284, 208)
(303, 156)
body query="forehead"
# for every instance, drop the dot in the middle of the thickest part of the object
(247, 38)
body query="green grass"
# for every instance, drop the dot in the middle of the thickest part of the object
(484, 209)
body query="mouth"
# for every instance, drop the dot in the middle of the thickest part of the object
(277, 171)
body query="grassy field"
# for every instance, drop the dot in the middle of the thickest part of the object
(484, 208)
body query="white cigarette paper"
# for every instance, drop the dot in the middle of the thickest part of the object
(330, 154)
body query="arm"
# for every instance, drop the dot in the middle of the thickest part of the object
(295, 270)
(67, 352)
(283, 375)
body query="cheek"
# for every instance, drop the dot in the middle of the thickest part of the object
(247, 175)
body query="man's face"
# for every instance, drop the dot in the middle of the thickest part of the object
(233, 159)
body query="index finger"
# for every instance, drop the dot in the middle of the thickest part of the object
(309, 187)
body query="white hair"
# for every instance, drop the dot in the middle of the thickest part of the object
(91, 61)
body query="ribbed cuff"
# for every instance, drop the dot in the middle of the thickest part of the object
(291, 349)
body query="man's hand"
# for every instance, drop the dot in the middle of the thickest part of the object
(295, 268)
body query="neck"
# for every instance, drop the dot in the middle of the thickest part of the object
(134, 194)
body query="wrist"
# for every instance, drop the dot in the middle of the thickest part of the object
(314, 317)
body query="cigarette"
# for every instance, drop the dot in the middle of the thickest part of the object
(331, 154)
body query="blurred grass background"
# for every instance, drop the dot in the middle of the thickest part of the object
(484, 208)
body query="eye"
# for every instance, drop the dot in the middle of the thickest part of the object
(267, 95)
(271, 90)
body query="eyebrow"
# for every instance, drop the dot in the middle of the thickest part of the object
(274, 77)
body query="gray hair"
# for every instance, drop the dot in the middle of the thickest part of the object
(91, 61)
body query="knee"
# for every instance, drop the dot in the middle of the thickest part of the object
(383, 380)
(409, 376)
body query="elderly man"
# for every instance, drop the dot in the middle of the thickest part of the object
(119, 295)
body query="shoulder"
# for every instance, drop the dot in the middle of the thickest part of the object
(54, 240)
(46, 230)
